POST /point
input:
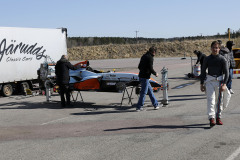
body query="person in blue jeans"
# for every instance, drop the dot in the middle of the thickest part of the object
(145, 70)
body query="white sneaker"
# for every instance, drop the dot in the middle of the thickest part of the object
(140, 109)
(159, 105)
(231, 91)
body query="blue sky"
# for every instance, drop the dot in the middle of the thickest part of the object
(121, 18)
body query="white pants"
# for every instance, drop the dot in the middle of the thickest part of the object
(214, 101)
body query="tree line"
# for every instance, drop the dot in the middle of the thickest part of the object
(91, 41)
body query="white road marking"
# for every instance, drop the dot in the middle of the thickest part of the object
(234, 154)
(55, 120)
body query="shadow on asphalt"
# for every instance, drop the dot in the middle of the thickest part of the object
(57, 105)
(101, 112)
(191, 95)
(188, 97)
(186, 78)
(201, 126)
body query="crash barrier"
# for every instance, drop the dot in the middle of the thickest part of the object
(164, 73)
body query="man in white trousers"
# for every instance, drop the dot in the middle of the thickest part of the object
(214, 83)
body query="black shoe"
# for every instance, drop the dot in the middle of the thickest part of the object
(63, 105)
(70, 105)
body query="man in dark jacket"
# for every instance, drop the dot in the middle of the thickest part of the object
(62, 74)
(146, 69)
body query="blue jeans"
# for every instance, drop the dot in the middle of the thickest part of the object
(229, 82)
(146, 88)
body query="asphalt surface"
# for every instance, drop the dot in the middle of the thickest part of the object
(99, 128)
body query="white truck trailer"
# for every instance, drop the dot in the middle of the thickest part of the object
(22, 50)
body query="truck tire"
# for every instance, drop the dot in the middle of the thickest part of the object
(7, 90)
(23, 87)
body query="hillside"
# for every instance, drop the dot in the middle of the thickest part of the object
(165, 49)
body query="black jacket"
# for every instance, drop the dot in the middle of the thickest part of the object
(62, 71)
(201, 56)
(146, 66)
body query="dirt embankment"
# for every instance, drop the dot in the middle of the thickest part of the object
(165, 49)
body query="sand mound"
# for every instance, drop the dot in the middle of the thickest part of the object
(165, 49)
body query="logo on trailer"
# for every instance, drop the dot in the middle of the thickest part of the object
(27, 49)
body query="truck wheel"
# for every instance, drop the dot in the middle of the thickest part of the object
(23, 87)
(7, 90)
